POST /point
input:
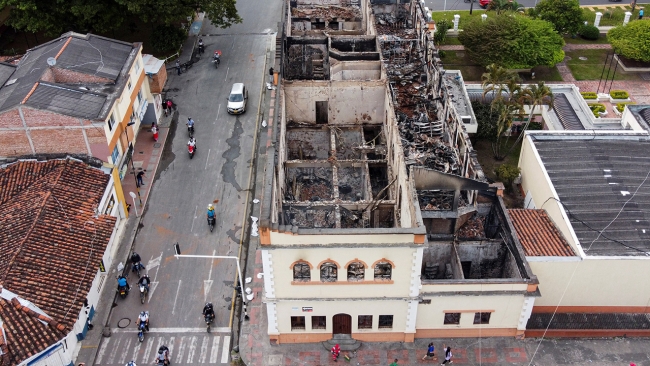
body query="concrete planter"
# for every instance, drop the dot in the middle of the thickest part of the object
(614, 101)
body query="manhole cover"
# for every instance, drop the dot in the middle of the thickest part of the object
(582, 58)
(156, 145)
(123, 323)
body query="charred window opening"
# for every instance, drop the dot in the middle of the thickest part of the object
(365, 322)
(356, 271)
(482, 318)
(385, 321)
(321, 113)
(328, 272)
(452, 318)
(301, 272)
(383, 271)
(317, 25)
(297, 323)
(318, 322)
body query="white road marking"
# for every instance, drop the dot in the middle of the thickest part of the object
(178, 290)
(214, 354)
(171, 345)
(181, 350)
(111, 356)
(217, 117)
(136, 351)
(204, 350)
(226, 78)
(153, 263)
(147, 350)
(207, 160)
(192, 350)
(161, 341)
(195, 210)
(125, 350)
(102, 350)
(174, 330)
(224, 349)
(207, 284)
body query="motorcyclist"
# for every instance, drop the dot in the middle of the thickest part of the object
(208, 310)
(132, 363)
(190, 124)
(192, 142)
(145, 281)
(122, 282)
(162, 356)
(210, 215)
(137, 262)
(143, 317)
(201, 46)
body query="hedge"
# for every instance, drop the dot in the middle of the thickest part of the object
(589, 95)
(595, 108)
(589, 32)
(619, 94)
(621, 106)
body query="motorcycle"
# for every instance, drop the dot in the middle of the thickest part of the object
(141, 329)
(191, 149)
(163, 350)
(190, 130)
(208, 321)
(137, 267)
(122, 290)
(143, 293)
(216, 59)
(211, 222)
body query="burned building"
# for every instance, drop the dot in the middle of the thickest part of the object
(377, 223)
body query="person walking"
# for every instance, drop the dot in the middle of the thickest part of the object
(178, 67)
(448, 355)
(139, 177)
(640, 13)
(430, 351)
(271, 72)
(394, 363)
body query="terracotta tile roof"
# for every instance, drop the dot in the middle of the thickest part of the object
(538, 234)
(48, 233)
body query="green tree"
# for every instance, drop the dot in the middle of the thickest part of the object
(495, 80)
(533, 96)
(222, 13)
(508, 173)
(442, 27)
(632, 40)
(166, 38)
(486, 119)
(512, 41)
(565, 15)
(502, 6)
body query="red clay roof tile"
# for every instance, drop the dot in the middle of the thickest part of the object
(538, 234)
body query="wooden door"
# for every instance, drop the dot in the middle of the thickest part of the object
(342, 324)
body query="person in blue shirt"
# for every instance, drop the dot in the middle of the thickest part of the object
(121, 282)
(211, 214)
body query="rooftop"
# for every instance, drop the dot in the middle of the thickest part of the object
(89, 73)
(47, 223)
(538, 234)
(608, 190)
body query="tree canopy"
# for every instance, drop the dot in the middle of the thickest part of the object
(632, 40)
(100, 16)
(565, 15)
(512, 41)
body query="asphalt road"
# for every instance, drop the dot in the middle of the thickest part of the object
(438, 5)
(220, 173)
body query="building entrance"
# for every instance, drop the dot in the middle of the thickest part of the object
(342, 324)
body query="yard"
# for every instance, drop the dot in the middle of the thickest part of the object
(589, 64)
(489, 164)
(612, 15)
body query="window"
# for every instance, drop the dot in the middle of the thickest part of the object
(328, 272)
(115, 155)
(482, 318)
(111, 122)
(297, 323)
(301, 272)
(140, 97)
(365, 321)
(383, 270)
(385, 321)
(318, 322)
(452, 318)
(129, 84)
(356, 271)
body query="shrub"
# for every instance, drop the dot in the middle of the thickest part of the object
(535, 126)
(596, 108)
(441, 53)
(621, 106)
(619, 94)
(631, 40)
(167, 38)
(589, 95)
(589, 32)
(441, 31)
(507, 173)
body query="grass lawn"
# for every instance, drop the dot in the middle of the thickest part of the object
(612, 15)
(464, 16)
(592, 67)
(580, 40)
(451, 41)
(458, 60)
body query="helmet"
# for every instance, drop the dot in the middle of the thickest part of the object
(189, 118)
(142, 313)
(210, 207)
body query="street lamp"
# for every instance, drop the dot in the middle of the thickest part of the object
(128, 143)
(177, 251)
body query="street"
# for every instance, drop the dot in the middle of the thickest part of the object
(440, 5)
(219, 173)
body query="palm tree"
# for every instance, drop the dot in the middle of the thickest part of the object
(504, 122)
(534, 96)
(495, 80)
(500, 6)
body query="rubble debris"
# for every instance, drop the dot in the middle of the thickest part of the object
(351, 184)
(313, 217)
(353, 219)
(309, 184)
(327, 12)
(474, 228)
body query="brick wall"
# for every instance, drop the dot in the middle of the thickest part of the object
(72, 77)
(59, 141)
(157, 82)
(14, 143)
(39, 118)
(10, 119)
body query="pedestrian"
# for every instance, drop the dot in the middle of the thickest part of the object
(271, 72)
(178, 67)
(430, 351)
(139, 177)
(448, 355)
(169, 106)
(394, 363)
(640, 13)
(154, 130)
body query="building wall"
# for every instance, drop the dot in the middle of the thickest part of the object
(399, 284)
(594, 285)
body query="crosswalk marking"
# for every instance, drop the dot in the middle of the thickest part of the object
(174, 330)
(215, 349)
(224, 353)
(185, 350)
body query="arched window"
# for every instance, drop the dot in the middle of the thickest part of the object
(383, 270)
(301, 272)
(328, 272)
(356, 271)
